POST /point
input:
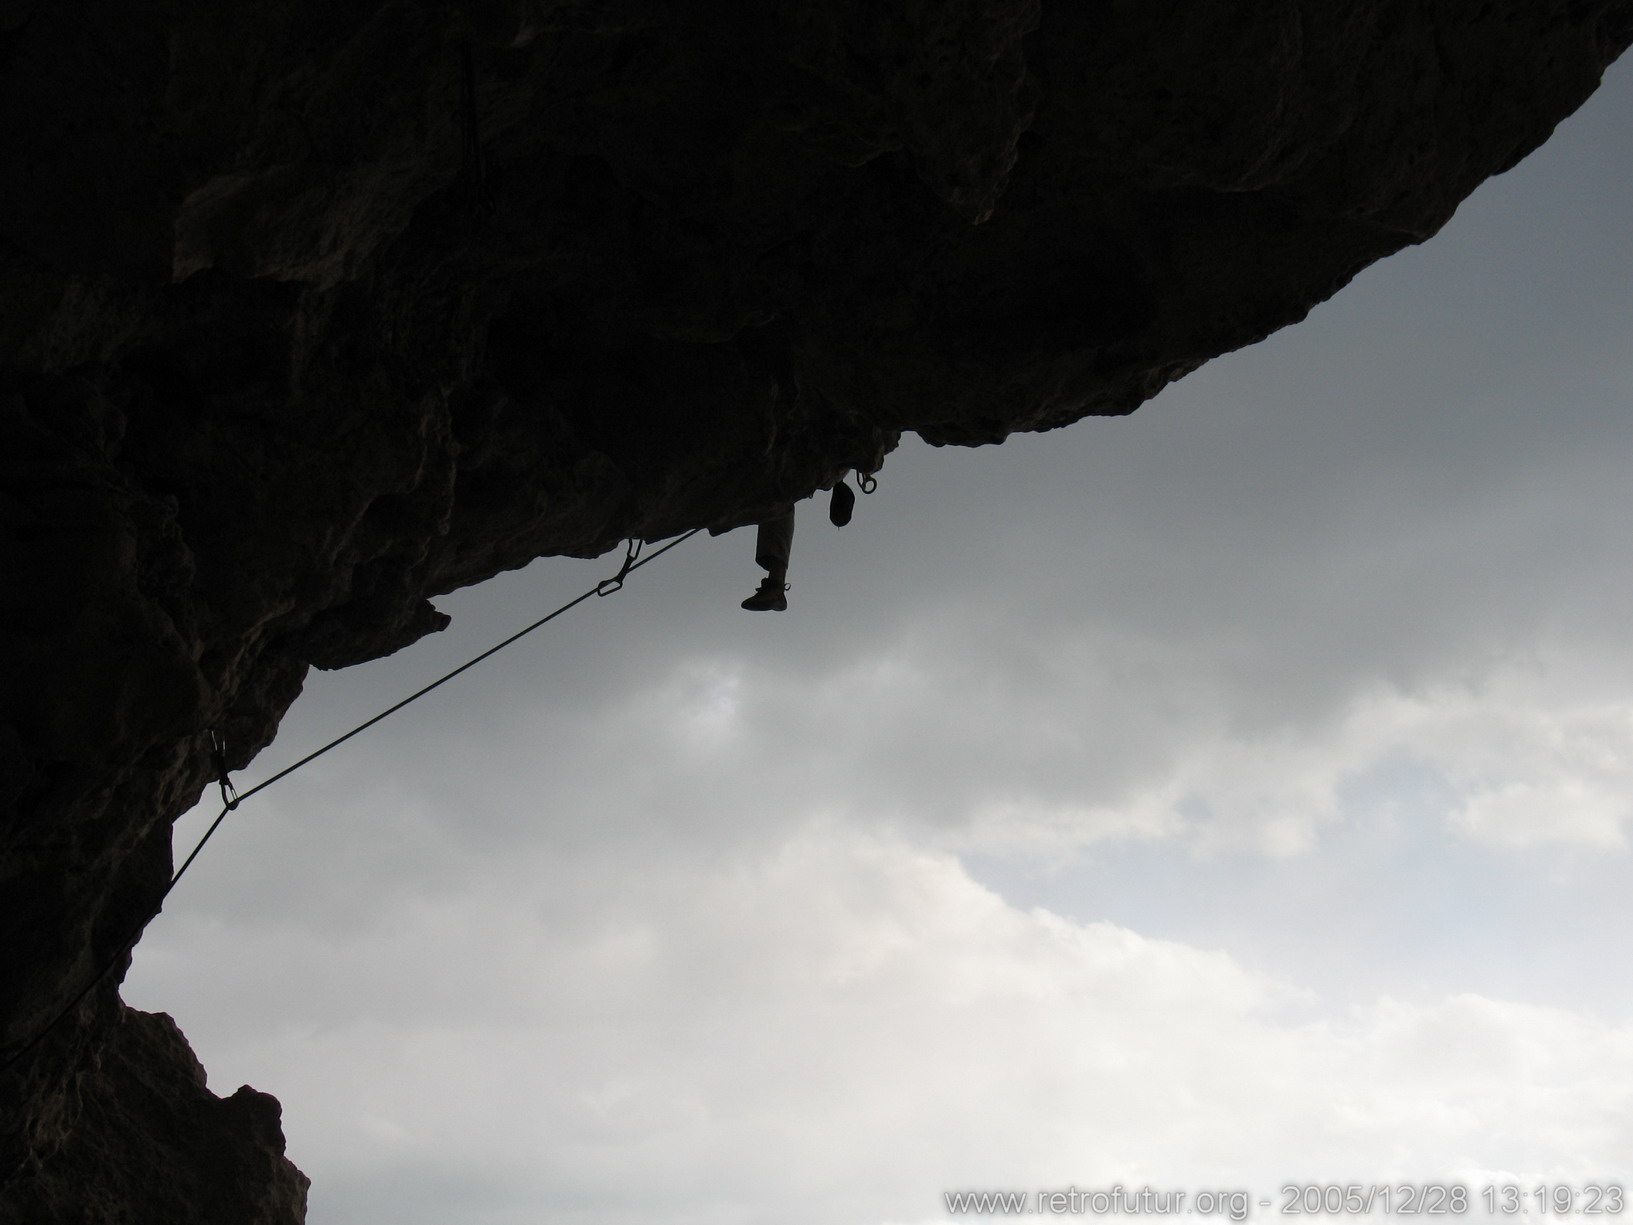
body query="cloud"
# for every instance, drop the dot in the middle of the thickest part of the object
(839, 1027)
(1045, 745)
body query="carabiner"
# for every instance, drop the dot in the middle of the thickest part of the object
(616, 583)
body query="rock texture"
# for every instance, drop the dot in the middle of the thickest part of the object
(312, 310)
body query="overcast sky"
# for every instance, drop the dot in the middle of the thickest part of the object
(1230, 795)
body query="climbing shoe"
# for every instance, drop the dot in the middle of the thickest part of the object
(841, 504)
(769, 598)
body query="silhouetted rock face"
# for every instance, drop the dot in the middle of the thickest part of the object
(292, 338)
(148, 1142)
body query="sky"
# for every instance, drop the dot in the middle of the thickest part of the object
(1231, 796)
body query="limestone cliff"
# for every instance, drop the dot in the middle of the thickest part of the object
(311, 310)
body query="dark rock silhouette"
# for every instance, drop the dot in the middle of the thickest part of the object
(303, 321)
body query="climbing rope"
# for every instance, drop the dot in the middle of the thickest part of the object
(231, 798)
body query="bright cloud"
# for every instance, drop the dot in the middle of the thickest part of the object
(840, 1028)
